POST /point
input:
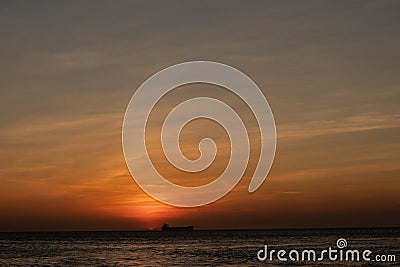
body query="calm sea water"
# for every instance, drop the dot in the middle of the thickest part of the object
(197, 248)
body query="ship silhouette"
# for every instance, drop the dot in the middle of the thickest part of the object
(166, 227)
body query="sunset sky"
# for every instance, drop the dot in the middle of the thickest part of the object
(329, 70)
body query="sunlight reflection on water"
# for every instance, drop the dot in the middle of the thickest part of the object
(197, 248)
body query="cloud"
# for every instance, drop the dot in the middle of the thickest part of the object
(356, 123)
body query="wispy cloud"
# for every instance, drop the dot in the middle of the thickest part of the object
(349, 124)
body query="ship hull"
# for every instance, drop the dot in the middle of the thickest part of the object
(174, 229)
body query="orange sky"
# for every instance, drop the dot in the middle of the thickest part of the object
(329, 72)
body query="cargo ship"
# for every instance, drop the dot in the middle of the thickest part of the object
(166, 227)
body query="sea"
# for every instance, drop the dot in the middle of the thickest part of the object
(200, 248)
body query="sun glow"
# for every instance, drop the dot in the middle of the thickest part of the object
(150, 213)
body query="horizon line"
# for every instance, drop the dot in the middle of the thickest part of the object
(217, 229)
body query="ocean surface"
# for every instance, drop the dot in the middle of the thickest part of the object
(196, 248)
